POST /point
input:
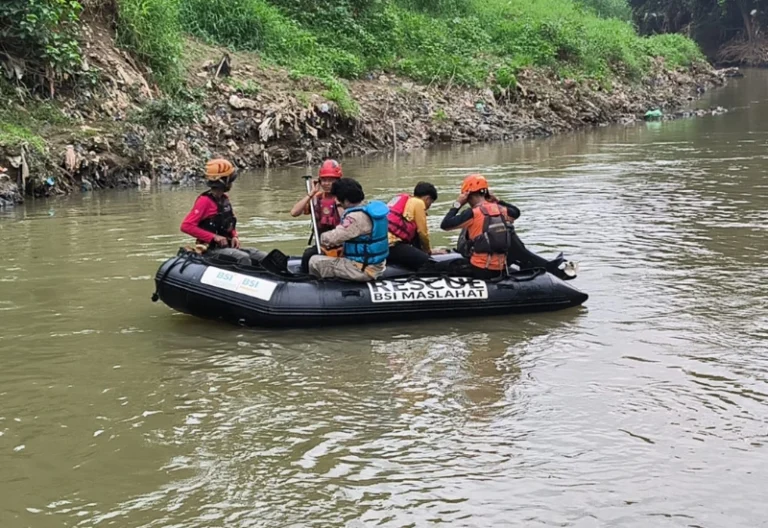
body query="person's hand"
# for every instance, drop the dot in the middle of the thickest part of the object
(220, 240)
(439, 251)
(235, 242)
(462, 199)
(316, 189)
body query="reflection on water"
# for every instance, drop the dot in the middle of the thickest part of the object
(645, 407)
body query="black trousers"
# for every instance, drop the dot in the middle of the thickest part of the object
(310, 252)
(407, 256)
(520, 254)
(517, 253)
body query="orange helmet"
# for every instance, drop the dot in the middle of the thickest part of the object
(219, 173)
(474, 183)
(330, 169)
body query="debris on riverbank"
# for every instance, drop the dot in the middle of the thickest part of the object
(9, 191)
(123, 133)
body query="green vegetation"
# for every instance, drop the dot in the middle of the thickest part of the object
(339, 94)
(152, 31)
(176, 110)
(465, 42)
(440, 115)
(609, 8)
(26, 124)
(247, 88)
(469, 42)
(727, 29)
(15, 135)
(43, 34)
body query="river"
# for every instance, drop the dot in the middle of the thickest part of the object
(645, 407)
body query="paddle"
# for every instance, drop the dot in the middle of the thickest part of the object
(308, 180)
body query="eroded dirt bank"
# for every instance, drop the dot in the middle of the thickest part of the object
(124, 133)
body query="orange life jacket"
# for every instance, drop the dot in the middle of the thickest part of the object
(489, 238)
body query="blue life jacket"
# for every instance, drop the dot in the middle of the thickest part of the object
(374, 247)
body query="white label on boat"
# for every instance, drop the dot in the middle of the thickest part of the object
(458, 289)
(239, 283)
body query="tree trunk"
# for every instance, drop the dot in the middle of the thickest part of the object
(747, 18)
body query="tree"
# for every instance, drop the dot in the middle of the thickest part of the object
(728, 29)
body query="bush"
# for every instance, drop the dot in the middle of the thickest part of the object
(338, 93)
(676, 49)
(609, 8)
(253, 25)
(439, 7)
(44, 33)
(151, 30)
(171, 111)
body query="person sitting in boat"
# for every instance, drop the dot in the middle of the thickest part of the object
(486, 222)
(483, 239)
(327, 214)
(212, 221)
(409, 244)
(362, 235)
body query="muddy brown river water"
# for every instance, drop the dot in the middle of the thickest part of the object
(645, 407)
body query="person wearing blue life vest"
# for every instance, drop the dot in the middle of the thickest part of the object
(362, 235)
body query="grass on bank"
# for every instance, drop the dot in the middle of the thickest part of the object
(26, 125)
(458, 42)
(27, 121)
(14, 135)
(466, 42)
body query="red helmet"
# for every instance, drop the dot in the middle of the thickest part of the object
(330, 169)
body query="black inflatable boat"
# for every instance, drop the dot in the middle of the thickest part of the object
(255, 296)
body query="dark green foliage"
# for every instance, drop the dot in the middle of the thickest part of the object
(712, 23)
(43, 33)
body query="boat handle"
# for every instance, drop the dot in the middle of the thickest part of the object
(351, 293)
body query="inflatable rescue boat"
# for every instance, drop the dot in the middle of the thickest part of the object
(257, 296)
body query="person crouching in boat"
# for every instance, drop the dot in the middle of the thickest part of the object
(479, 227)
(212, 221)
(409, 243)
(327, 212)
(487, 223)
(362, 234)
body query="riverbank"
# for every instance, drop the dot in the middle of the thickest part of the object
(124, 132)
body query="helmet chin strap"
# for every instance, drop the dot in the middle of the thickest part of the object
(224, 184)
